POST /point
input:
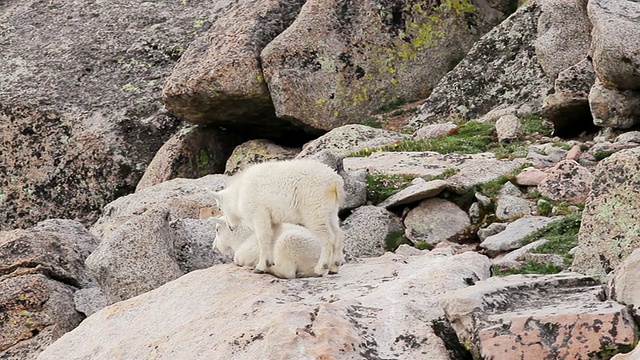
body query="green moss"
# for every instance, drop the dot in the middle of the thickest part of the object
(423, 245)
(562, 236)
(536, 125)
(394, 240)
(373, 122)
(529, 267)
(381, 186)
(393, 104)
(602, 154)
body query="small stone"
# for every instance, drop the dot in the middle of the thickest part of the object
(435, 130)
(509, 128)
(530, 177)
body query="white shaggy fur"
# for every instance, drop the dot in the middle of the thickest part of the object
(304, 192)
(296, 250)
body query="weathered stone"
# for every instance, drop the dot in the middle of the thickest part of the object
(184, 197)
(574, 153)
(500, 69)
(629, 137)
(511, 238)
(435, 130)
(509, 128)
(490, 230)
(418, 190)
(324, 72)
(193, 244)
(510, 206)
(496, 113)
(381, 307)
(561, 20)
(136, 257)
(615, 108)
(219, 78)
(610, 224)
(40, 270)
(366, 231)
(191, 153)
(623, 285)
(355, 188)
(475, 213)
(538, 317)
(530, 176)
(478, 172)
(89, 300)
(568, 106)
(435, 220)
(257, 151)
(615, 43)
(545, 155)
(635, 354)
(81, 119)
(348, 139)
(567, 181)
(511, 258)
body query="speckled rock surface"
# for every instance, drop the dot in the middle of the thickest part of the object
(623, 285)
(568, 181)
(436, 220)
(509, 128)
(511, 237)
(383, 307)
(500, 69)
(418, 190)
(348, 139)
(81, 107)
(340, 59)
(219, 78)
(257, 151)
(610, 223)
(193, 152)
(615, 44)
(538, 317)
(366, 231)
(611, 107)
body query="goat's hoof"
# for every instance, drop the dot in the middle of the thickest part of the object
(258, 271)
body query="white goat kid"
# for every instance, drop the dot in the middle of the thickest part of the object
(304, 191)
(296, 249)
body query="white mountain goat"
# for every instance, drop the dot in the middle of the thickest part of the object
(296, 250)
(303, 191)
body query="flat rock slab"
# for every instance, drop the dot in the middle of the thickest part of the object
(383, 307)
(472, 169)
(436, 220)
(511, 237)
(419, 190)
(538, 317)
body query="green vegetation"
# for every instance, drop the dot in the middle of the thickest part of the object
(423, 245)
(394, 240)
(562, 236)
(536, 125)
(599, 155)
(391, 105)
(373, 122)
(381, 186)
(529, 267)
(548, 206)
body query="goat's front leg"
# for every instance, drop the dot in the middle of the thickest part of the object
(264, 232)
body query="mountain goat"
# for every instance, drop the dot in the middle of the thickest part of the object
(296, 250)
(303, 191)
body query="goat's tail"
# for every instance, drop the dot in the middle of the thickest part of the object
(336, 191)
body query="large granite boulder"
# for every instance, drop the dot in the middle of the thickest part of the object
(341, 58)
(219, 78)
(41, 269)
(539, 317)
(609, 230)
(615, 44)
(612, 107)
(192, 152)
(501, 69)
(154, 236)
(383, 307)
(80, 101)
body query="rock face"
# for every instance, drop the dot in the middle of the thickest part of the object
(219, 78)
(80, 101)
(561, 20)
(41, 268)
(615, 44)
(436, 220)
(623, 286)
(501, 69)
(348, 139)
(419, 190)
(146, 239)
(511, 238)
(611, 107)
(340, 58)
(366, 231)
(538, 317)
(569, 181)
(257, 151)
(191, 153)
(378, 308)
(609, 230)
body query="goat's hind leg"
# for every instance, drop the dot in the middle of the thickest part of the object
(263, 229)
(324, 232)
(337, 255)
